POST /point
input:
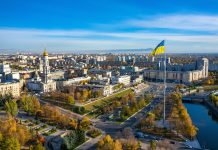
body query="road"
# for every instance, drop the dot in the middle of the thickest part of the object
(90, 144)
(112, 128)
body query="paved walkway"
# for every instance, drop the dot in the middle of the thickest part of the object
(91, 143)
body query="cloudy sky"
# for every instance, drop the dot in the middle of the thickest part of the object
(74, 25)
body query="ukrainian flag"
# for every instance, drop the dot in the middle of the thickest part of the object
(158, 50)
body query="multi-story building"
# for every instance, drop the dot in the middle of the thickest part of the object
(5, 69)
(10, 88)
(186, 74)
(125, 79)
(104, 73)
(60, 83)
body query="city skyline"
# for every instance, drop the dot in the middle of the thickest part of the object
(101, 25)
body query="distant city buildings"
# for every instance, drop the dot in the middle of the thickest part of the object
(43, 73)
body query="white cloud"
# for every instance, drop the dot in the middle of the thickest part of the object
(67, 40)
(184, 22)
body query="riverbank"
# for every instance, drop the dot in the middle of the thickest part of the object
(206, 124)
(212, 107)
(194, 144)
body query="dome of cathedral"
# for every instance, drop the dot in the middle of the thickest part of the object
(45, 53)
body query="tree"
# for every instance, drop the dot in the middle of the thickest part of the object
(84, 124)
(131, 96)
(71, 100)
(153, 145)
(117, 103)
(128, 133)
(38, 146)
(11, 108)
(36, 105)
(179, 117)
(117, 145)
(73, 124)
(22, 134)
(85, 94)
(74, 138)
(130, 144)
(148, 97)
(27, 104)
(141, 103)
(30, 104)
(124, 100)
(128, 139)
(10, 128)
(106, 143)
(150, 120)
(10, 143)
(78, 95)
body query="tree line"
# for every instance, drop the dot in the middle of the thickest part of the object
(179, 118)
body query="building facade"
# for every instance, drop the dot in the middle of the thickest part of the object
(125, 79)
(10, 88)
(200, 71)
(43, 83)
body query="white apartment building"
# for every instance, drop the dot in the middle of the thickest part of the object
(10, 88)
(125, 79)
(63, 82)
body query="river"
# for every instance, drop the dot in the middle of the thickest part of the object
(206, 123)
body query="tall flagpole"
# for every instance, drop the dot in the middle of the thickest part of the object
(165, 73)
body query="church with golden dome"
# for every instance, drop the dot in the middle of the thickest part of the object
(43, 83)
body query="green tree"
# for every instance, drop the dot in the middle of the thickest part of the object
(71, 100)
(11, 108)
(38, 146)
(30, 104)
(1, 137)
(73, 139)
(10, 143)
(84, 124)
(27, 104)
(150, 120)
(153, 145)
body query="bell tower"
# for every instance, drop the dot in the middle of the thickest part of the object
(46, 68)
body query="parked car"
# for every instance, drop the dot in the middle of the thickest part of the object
(139, 135)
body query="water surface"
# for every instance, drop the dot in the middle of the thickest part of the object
(206, 123)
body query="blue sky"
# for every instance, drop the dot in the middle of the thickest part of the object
(72, 25)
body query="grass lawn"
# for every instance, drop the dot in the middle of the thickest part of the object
(106, 100)
(211, 87)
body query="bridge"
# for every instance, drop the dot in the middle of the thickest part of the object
(194, 98)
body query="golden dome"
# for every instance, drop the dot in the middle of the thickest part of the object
(45, 53)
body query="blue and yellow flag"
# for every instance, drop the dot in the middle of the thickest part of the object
(158, 50)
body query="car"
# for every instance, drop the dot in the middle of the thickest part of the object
(139, 135)
(172, 142)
